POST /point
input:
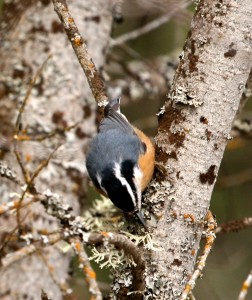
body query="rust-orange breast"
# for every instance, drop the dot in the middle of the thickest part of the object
(147, 160)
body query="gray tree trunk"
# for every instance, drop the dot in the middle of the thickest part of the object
(194, 129)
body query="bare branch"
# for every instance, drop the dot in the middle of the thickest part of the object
(236, 179)
(11, 236)
(246, 285)
(80, 49)
(151, 25)
(62, 285)
(16, 256)
(19, 117)
(210, 238)
(7, 206)
(30, 183)
(242, 127)
(234, 226)
(28, 93)
(21, 165)
(53, 133)
(42, 166)
(87, 269)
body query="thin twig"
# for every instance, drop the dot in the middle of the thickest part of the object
(210, 237)
(19, 117)
(245, 286)
(11, 235)
(234, 226)
(150, 26)
(18, 255)
(42, 166)
(62, 285)
(242, 128)
(54, 133)
(28, 93)
(89, 274)
(30, 184)
(80, 49)
(236, 179)
(11, 205)
(21, 164)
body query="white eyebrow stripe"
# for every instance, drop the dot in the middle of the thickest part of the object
(124, 182)
(138, 175)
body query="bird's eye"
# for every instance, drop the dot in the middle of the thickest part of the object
(144, 147)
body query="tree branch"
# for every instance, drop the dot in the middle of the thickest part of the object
(16, 256)
(194, 127)
(87, 269)
(246, 285)
(234, 226)
(210, 238)
(151, 25)
(80, 49)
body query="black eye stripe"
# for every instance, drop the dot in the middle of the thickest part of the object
(127, 171)
(117, 192)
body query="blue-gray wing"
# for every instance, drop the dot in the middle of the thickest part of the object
(115, 120)
(110, 147)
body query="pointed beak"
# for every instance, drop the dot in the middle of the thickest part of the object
(141, 218)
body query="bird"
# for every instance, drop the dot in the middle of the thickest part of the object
(120, 161)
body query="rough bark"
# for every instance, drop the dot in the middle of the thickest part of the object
(193, 131)
(60, 98)
(194, 127)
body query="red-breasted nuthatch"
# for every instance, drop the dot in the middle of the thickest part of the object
(120, 161)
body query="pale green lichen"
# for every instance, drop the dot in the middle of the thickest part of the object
(111, 258)
(145, 240)
(102, 216)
